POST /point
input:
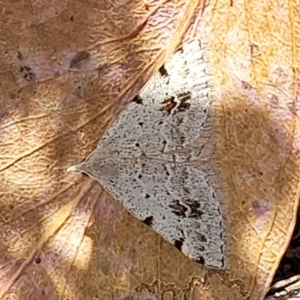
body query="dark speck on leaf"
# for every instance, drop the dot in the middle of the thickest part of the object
(38, 260)
(78, 58)
(27, 73)
(20, 55)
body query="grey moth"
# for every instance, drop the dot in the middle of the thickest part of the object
(156, 159)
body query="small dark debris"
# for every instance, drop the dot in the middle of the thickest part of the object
(27, 73)
(202, 238)
(20, 55)
(246, 85)
(38, 260)
(13, 96)
(78, 58)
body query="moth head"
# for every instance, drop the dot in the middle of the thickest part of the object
(97, 166)
(76, 168)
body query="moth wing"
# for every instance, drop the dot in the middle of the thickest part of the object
(177, 200)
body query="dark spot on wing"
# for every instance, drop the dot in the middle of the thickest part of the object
(149, 221)
(20, 55)
(184, 98)
(202, 238)
(178, 209)
(178, 244)
(162, 71)
(169, 104)
(194, 206)
(179, 49)
(200, 260)
(146, 5)
(137, 99)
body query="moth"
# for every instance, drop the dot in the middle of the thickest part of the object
(156, 159)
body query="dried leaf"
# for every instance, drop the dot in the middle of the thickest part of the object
(64, 238)
(51, 227)
(255, 61)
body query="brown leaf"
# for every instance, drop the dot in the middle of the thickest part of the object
(63, 237)
(254, 57)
